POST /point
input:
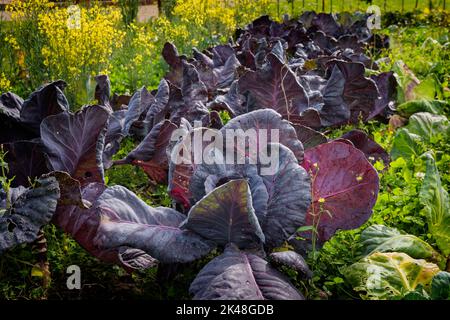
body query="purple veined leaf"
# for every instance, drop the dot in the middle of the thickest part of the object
(310, 118)
(182, 165)
(138, 107)
(263, 122)
(327, 23)
(30, 211)
(237, 275)
(193, 89)
(372, 150)
(227, 74)
(203, 58)
(344, 188)
(292, 260)
(82, 224)
(307, 17)
(215, 122)
(289, 190)
(159, 108)
(113, 136)
(74, 143)
(350, 41)
(314, 85)
(226, 215)
(206, 177)
(387, 87)
(70, 190)
(232, 101)
(151, 153)
(26, 161)
(247, 59)
(275, 87)
(128, 221)
(359, 93)
(6, 199)
(10, 105)
(103, 90)
(327, 44)
(351, 56)
(46, 101)
(309, 137)
(335, 110)
(295, 36)
(175, 61)
(221, 53)
(189, 101)
(280, 193)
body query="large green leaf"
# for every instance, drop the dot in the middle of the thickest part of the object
(428, 126)
(406, 145)
(423, 128)
(440, 286)
(432, 106)
(379, 238)
(389, 275)
(436, 205)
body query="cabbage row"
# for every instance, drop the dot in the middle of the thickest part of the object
(299, 76)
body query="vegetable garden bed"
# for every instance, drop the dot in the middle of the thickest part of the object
(356, 207)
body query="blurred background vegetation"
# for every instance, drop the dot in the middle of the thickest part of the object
(39, 44)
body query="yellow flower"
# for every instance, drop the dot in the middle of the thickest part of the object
(5, 84)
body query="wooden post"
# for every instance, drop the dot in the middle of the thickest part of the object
(417, 4)
(323, 5)
(403, 5)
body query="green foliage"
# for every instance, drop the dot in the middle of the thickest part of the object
(129, 10)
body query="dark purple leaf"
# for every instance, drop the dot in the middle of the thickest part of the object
(26, 161)
(46, 101)
(113, 136)
(327, 23)
(128, 221)
(30, 211)
(387, 87)
(276, 87)
(175, 61)
(221, 53)
(370, 148)
(344, 188)
(289, 193)
(83, 225)
(151, 153)
(232, 101)
(193, 89)
(226, 215)
(103, 90)
(74, 143)
(157, 111)
(138, 107)
(292, 260)
(309, 137)
(10, 105)
(263, 122)
(359, 93)
(237, 275)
